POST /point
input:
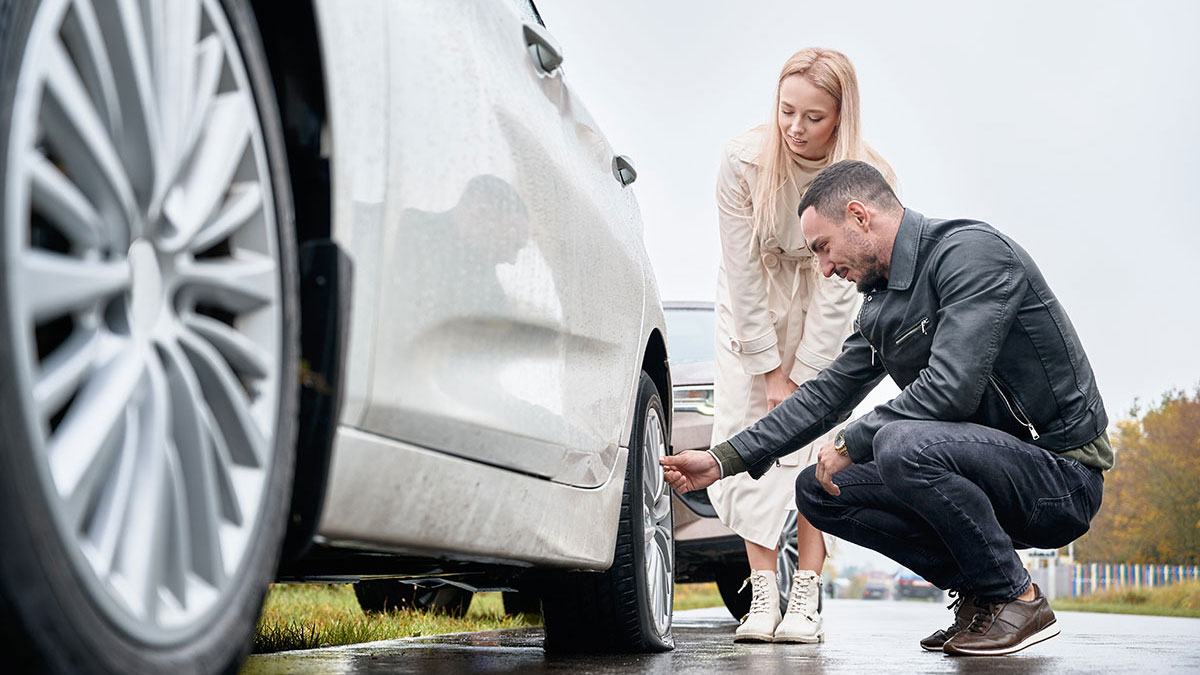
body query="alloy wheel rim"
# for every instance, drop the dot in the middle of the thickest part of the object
(657, 529)
(788, 556)
(145, 304)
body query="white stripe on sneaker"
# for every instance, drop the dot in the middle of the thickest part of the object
(1040, 636)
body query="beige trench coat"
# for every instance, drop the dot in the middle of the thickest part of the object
(773, 308)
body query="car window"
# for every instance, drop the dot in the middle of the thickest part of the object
(690, 333)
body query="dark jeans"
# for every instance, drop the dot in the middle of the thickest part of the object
(951, 501)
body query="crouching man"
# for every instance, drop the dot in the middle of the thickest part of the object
(996, 441)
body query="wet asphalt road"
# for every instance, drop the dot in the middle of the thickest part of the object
(862, 636)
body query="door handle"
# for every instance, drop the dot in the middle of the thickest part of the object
(623, 171)
(546, 53)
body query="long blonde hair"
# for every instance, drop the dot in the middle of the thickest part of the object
(832, 72)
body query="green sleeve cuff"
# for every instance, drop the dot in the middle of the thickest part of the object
(729, 459)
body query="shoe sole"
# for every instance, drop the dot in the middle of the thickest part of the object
(1040, 636)
(754, 637)
(931, 649)
(819, 637)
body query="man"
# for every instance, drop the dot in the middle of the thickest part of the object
(997, 439)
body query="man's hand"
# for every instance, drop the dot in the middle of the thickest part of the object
(779, 387)
(830, 462)
(690, 470)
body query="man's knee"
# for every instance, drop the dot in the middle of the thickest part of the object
(897, 445)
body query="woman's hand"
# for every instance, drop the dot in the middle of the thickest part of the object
(779, 387)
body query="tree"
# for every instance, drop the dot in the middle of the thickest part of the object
(1151, 508)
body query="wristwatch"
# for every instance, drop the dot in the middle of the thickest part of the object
(839, 443)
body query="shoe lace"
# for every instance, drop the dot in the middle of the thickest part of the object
(800, 599)
(957, 602)
(985, 614)
(760, 588)
(956, 606)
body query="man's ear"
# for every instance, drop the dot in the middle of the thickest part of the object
(858, 215)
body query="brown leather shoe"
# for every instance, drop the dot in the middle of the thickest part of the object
(964, 609)
(1005, 627)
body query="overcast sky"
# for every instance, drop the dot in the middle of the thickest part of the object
(1074, 127)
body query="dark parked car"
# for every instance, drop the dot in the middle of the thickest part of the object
(909, 584)
(706, 550)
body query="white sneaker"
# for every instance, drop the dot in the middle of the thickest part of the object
(802, 623)
(759, 625)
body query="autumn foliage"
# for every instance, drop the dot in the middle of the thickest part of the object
(1151, 509)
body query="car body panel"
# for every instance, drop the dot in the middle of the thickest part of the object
(496, 515)
(502, 297)
(504, 265)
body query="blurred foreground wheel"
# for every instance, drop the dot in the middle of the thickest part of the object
(627, 608)
(386, 595)
(147, 334)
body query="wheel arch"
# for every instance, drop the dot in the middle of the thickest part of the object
(291, 43)
(656, 364)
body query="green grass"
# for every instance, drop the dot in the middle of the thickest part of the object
(1180, 599)
(695, 596)
(305, 616)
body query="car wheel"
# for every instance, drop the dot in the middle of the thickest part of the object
(521, 602)
(148, 338)
(628, 607)
(386, 595)
(731, 575)
(787, 559)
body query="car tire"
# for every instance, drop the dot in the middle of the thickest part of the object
(521, 602)
(388, 595)
(731, 575)
(628, 607)
(146, 463)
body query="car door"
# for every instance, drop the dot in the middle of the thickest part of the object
(510, 285)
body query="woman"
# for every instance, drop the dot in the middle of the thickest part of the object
(779, 321)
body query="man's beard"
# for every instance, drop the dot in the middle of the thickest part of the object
(873, 276)
(873, 271)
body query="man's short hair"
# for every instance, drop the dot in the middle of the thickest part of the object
(846, 181)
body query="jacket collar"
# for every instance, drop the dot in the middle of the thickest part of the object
(904, 251)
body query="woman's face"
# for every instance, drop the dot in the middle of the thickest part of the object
(808, 117)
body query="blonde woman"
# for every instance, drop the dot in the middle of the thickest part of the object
(779, 321)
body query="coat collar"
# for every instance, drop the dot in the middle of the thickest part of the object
(904, 251)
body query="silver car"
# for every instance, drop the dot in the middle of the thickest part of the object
(706, 550)
(316, 291)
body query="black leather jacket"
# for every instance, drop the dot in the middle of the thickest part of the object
(969, 331)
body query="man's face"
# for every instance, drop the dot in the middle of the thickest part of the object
(844, 248)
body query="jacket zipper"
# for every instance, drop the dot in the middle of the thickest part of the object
(1024, 422)
(913, 331)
